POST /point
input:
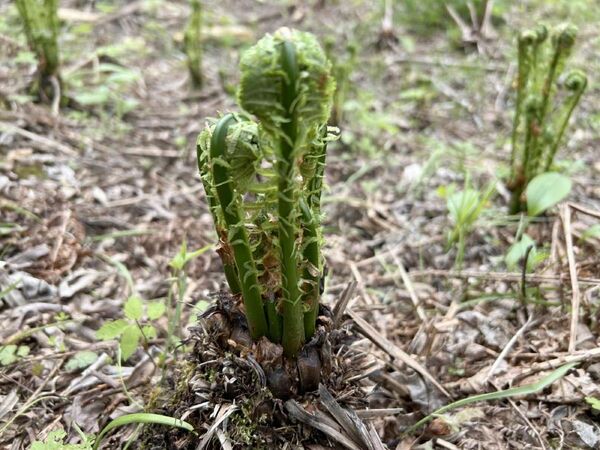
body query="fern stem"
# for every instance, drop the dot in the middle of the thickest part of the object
(238, 236)
(578, 83)
(224, 250)
(293, 328)
(524, 63)
(312, 270)
(193, 44)
(274, 320)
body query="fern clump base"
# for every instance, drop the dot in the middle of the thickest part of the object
(253, 383)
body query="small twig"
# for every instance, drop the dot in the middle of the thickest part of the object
(223, 414)
(499, 104)
(223, 440)
(33, 398)
(387, 24)
(410, 288)
(501, 276)
(360, 283)
(464, 28)
(354, 428)
(585, 210)
(296, 410)
(525, 419)
(44, 141)
(554, 244)
(587, 356)
(473, 14)
(342, 304)
(508, 348)
(576, 295)
(66, 217)
(56, 94)
(485, 29)
(377, 413)
(394, 351)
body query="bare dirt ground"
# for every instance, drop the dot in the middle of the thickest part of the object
(110, 181)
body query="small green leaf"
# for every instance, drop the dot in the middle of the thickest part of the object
(81, 360)
(112, 329)
(129, 341)
(155, 310)
(592, 232)
(134, 308)
(23, 351)
(463, 206)
(183, 257)
(123, 271)
(178, 260)
(593, 402)
(7, 354)
(149, 331)
(55, 441)
(97, 96)
(517, 252)
(197, 253)
(25, 57)
(545, 191)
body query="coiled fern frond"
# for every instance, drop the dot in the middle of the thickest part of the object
(263, 184)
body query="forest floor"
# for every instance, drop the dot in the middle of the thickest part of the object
(97, 197)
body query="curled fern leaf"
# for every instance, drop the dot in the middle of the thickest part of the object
(263, 81)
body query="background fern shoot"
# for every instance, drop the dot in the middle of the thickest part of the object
(192, 43)
(541, 114)
(41, 26)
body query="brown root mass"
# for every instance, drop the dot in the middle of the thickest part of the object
(248, 386)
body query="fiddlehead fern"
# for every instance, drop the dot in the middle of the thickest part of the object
(221, 153)
(264, 182)
(286, 83)
(539, 125)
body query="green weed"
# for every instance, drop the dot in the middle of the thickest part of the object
(464, 209)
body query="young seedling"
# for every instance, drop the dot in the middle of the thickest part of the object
(41, 26)
(464, 209)
(193, 44)
(263, 184)
(540, 118)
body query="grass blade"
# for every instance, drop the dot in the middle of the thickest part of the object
(498, 395)
(141, 418)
